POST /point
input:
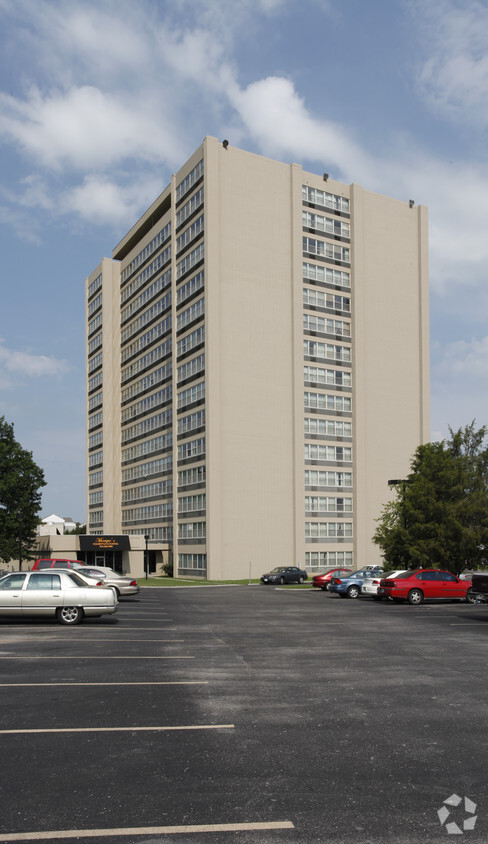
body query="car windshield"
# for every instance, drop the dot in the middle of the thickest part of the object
(278, 569)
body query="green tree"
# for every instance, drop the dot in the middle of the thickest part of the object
(76, 530)
(20, 497)
(440, 515)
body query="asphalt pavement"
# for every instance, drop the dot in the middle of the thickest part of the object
(246, 714)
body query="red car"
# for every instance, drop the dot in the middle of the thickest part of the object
(57, 563)
(414, 586)
(322, 581)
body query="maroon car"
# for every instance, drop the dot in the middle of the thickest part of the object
(322, 581)
(418, 584)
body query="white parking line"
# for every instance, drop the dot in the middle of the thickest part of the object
(144, 830)
(142, 683)
(118, 729)
(55, 638)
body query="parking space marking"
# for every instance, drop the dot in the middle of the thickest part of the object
(142, 683)
(144, 830)
(54, 638)
(118, 729)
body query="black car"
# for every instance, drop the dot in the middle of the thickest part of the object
(285, 574)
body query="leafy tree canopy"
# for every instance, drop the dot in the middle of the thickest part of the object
(440, 515)
(20, 497)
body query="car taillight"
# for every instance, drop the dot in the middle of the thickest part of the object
(335, 580)
(376, 581)
(133, 583)
(100, 583)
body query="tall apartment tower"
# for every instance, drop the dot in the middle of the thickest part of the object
(257, 367)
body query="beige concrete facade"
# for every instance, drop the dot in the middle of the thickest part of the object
(254, 302)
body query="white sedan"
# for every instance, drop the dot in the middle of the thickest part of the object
(49, 593)
(369, 585)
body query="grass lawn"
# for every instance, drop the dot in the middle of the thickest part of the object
(179, 581)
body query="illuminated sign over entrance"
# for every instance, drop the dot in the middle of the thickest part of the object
(104, 543)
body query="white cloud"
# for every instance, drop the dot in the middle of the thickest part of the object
(101, 200)
(14, 363)
(454, 73)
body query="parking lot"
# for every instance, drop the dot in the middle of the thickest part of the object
(246, 714)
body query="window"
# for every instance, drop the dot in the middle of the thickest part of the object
(327, 427)
(321, 478)
(190, 180)
(196, 311)
(157, 377)
(197, 282)
(327, 530)
(189, 234)
(192, 502)
(327, 351)
(192, 394)
(192, 562)
(192, 448)
(149, 403)
(189, 207)
(95, 401)
(192, 530)
(195, 475)
(321, 325)
(187, 343)
(327, 225)
(44, 581)
(190, 260)
(189, 423)
(335, 377)
(328, 402)
(149, 293)
(148, 316)
(156, 354)
(147, 447)
(160, 420)
(146, 274)
(157, 241)
(320, 299)
(95, 285)
(326, 200)
(331, 251)
(327, 559)
(314, 451)
(325, 275)
(95, 459)
(319, 504)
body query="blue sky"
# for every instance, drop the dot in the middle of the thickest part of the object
(100, 102)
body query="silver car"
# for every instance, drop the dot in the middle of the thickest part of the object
(370, 585)
(123, 585)
(54, 594)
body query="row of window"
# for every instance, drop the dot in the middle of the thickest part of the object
(192, 530)
(95, 459)
(161, 466)
(146, 404)
(95, 285)
(151, 380)
(95, 420)
(328, 559)
(157, 241)
(321, 478)
(192, 313)
(339, 453)
(187, 343)
(95, 401)
(95, 362)
(324, 504)
(325, 199)
(190, 260)
(192, 394)
(95, 324)
(325, 275)
(95, 304)
(321, 401)
(149, 293)
(147, 447)
(95, 343)
(332, 251)
(190, 180)
(320, 299)
(152, 511)
(189, 423)
(189, 503)
(155, 310)
(96, 497)
(95, 518)
(194, 475)
(162, 534)
(154, 490)
(327, 351)
(195, 283)
(327, 427)
(186, 370)
(338, 377)
(327, 225)
(145, 426)
(192, 562)
(189, 207)
(95, 439)
(328, 529)
(147, 360)
(147, 273)
(95, 478)
(191, 448)
(322, 325)
(95, 382)
(146, 339)
(190, 234)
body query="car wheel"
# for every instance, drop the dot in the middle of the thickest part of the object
(282, 580)
(353, 592)
(117, 593)
(471, 596)
(300, 579)
(325, 588)
(415, 596)
(69, 615)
